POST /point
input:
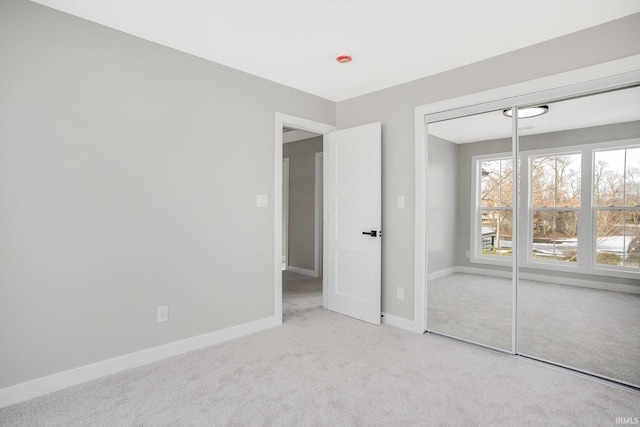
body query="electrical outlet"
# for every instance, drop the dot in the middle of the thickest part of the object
(468, 254)
(163, 313)
(400, 293)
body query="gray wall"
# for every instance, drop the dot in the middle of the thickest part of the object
(616, 132)
(128, 180)
(302, 160)
(116, 158)
(443, 187)
(394, 107)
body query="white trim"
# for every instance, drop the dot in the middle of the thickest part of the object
(325, 286)
(282, 120)
(303, 271)
(398, 322)
(420, 224)
(596, 77)
(317, 237)
(483, 272)
(515, 240)
(442, 273)
(41, 386)
(285, 212)
(580, 283)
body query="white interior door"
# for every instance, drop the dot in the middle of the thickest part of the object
(352, 207)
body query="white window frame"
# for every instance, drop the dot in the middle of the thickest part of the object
(584, 218)
(586, 263)
(604, 269)
(475, 252)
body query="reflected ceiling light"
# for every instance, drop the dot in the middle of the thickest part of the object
(527, 112)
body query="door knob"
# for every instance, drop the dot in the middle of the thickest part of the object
(372, 233)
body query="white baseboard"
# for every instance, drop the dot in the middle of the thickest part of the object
(483, 272)
(398, 322)
(303, 271)
(592, 284)
(38, 387)
(441, 273)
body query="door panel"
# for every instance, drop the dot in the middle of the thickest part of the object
(470, 222)
(352, 162)
(583, 217)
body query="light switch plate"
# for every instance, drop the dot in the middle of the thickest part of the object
(262, 201)
(400, 202)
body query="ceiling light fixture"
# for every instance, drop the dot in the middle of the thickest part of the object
(343, 59)
(527, 112)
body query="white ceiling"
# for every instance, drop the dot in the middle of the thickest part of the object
(295, 42)
(596, 110)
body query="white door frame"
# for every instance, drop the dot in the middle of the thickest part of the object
(285, 212)
(289, 121)
(317, 247)
(583, 80)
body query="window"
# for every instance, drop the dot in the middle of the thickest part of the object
(616, 199)
(592, 230)
(554, 201)
(494, 214)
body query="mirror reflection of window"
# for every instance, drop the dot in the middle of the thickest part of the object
(496, 213)
(578, 232)
(616, 197)
(555, 201)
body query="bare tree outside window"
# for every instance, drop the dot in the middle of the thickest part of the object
(555, 199)
(555, 203)
(616, 196)
(495, 206)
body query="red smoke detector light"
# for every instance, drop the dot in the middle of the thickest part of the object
(343, 59)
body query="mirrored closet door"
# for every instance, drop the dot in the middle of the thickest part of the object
(578, 301)
(470, 234)
(538, 253)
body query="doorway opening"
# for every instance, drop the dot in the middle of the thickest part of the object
(300, 270)
(301, 222)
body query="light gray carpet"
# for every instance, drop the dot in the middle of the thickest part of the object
(323, 369)
(592, 330)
